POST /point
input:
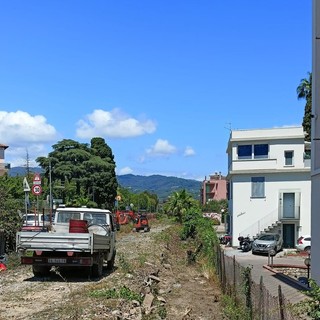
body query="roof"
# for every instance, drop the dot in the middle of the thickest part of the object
(83, 209)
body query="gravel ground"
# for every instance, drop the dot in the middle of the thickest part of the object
(154, 279)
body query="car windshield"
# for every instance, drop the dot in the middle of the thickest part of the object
(268, 237)
(30, 218)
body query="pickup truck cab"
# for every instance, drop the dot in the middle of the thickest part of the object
(98, 220)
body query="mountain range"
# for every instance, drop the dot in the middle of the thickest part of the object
(162, 186)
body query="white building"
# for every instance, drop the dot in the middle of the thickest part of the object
(269, 183)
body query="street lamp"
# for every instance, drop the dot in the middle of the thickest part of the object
(307, 262)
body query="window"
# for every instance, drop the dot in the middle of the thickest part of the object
(66, 216)
(245, 152)
(99, 218)
(256, 151)
(260, 151)
(257, 187)
(288, 156)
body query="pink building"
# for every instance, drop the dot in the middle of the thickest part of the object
(214, 189)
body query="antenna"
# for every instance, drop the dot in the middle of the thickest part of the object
(228, 126)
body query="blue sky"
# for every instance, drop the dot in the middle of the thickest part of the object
(163, 82)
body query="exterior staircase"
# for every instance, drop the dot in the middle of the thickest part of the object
(268, 223)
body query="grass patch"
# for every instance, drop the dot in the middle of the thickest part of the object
(13, 261)
(124, 264)
(232, 311)
(122, 293)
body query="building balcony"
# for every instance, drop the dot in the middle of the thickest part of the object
(289, 213)
(253, 164)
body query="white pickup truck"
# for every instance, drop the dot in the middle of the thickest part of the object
(69, 244)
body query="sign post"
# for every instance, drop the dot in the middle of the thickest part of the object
(36, 188)
(26, 189)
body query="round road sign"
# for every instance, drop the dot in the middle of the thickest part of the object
(36, 189)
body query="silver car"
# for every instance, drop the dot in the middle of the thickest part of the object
(268, 243)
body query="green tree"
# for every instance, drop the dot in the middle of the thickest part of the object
(105, 183)
(304, 91)
(86, 173)
(139, 201)
(179, 203)
(10, 220)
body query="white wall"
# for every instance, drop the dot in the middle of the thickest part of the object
(250, 214)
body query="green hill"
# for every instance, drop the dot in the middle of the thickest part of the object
(162, 186)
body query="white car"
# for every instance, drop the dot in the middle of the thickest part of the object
(304, 243)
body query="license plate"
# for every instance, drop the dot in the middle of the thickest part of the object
(57, 260)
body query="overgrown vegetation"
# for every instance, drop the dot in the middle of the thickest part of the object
(310, 307)
(232, 310)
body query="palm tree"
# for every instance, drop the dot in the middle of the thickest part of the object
(304, 91)
(179, 203)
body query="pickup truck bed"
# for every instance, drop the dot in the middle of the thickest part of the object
(76, 242)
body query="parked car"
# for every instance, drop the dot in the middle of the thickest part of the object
(304, 243)
(268, 243)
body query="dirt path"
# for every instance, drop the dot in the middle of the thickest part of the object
(156, 273)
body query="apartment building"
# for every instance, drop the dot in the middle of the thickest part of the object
(269, 183)
(214, 188)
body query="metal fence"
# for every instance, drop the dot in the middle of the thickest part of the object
(237, 283)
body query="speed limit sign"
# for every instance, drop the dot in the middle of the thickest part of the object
(36, 189)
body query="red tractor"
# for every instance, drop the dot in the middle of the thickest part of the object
(140, 220)
(141, 223)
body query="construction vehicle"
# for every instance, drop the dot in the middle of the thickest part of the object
(78, 237)
(141, 223)
(125, 216)
(140, 220)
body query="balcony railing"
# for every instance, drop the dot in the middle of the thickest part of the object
(289, 213)
(272, 219)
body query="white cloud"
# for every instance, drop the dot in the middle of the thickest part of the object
(17, 156)
(113, 124)
(25, 134)
(161, 148)
(188, 152)
(20, 127)
(125, 170)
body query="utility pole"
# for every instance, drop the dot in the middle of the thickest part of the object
(315, 142)
(50, 192)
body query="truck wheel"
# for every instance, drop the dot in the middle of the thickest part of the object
(97, 268)
(40, 271)
(110, 264)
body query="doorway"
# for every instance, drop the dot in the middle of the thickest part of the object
(288, 205)
(288, 231)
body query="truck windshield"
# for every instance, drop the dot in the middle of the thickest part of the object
(98, 218)
(65, 217)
